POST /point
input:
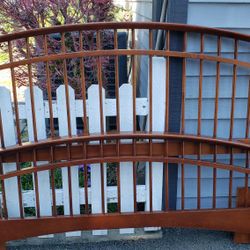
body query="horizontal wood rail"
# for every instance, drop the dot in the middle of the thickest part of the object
(65, 135)
(206, 219)
(77, 143)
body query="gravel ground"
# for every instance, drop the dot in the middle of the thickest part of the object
(172, 239)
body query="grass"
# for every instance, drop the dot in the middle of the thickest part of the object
(4, 57)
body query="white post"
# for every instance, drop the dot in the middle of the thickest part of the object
(9, 134)
(63, 131)
(126, 168)
(94, 127)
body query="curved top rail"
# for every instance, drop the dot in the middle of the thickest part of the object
(124, 25)
(125, 135)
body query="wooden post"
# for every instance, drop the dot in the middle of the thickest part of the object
(241, 238)
(2, 246)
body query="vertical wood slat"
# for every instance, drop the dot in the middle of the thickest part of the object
(13, 83)
(183, 85)
(200, 86)
(217, 82)
(150, 96)
(167, 44)
(83, 86)
(66, 83)
(85, 176)
(246, 136)
(127, 177)
(232, 121)
(246, 180)
(35, 181)
(166, 183)
(49, 90)
(199, 122)
(8, 127)
(100, 84)
(216, 105)
(86, 189)
(214, 177)
(167, 83)
(133, 63)
(99, 76)
(133, 58)
(117, 120)
(134, 186)
(182, 178)
(31, 89)
(199, 178)
(233, 90)
(230, 188)
(95, 127)
(53, 189)
(62, 108)
(248, 114)
(69, 180)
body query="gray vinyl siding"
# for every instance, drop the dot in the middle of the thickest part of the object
(232, 15)
(227, 14)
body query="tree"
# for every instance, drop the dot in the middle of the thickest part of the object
(29, 14)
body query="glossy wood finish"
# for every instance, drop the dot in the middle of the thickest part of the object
(132, 146)
(243, 200)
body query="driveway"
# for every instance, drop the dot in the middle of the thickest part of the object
(180, 239)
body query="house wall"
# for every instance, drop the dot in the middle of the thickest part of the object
(141, 12)
(227, 14)
(231, 15)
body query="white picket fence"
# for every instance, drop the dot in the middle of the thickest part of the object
(93, 113)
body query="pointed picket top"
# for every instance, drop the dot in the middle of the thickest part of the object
(39, 113)
(126, 107)
(94, 108)
(126, 168)
(7, 117)
(9, 133)
(95, 127)
(63, 131)
(62, 110)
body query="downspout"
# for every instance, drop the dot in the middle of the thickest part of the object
(173, 11)
(162, 19)
(177, 13)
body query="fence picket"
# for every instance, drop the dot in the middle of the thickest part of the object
(94, 127)
(63, 131)
(43, 177)
(126, 168)
(158, 123)
(11, 187)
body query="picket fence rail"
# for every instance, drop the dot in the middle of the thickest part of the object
(76, 107)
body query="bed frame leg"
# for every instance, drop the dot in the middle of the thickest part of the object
(2, 246)
(242, 238)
